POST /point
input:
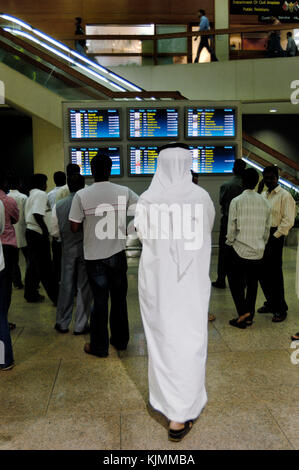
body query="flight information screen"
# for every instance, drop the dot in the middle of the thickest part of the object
(213, 159)
(143, 160)
(94, 123)
(211, 122)
(157, 123)
(83, 155)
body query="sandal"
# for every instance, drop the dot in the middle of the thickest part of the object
(238, 324)
(176, 435)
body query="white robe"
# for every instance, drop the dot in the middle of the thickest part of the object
(174, 292)
(297, 269)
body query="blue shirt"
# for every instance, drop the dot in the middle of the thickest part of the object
(204, 24)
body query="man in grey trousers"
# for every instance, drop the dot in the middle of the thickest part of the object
(74, 279)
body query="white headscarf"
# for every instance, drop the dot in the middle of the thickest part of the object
(172, 184)
(172, 181)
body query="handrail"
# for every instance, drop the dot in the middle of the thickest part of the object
(188, 34)
(76, 75)
(274, 153)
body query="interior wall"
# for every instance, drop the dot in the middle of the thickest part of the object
(47, 149)
(279, 132)
(57, 17)
(16, 144)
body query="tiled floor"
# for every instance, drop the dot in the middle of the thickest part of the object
(57, 397)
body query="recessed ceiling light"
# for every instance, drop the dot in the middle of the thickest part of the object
(273, 110)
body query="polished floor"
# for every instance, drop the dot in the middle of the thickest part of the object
(57, 397)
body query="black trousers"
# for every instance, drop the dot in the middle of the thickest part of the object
(40, 268)
(271, 275)
(108, 277)
(221, 270)
(56, 256)
(243, 281)
(10, 254)
(17, 277)
(204, 42)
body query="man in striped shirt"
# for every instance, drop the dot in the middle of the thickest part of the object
(283, 212)
(247, 235)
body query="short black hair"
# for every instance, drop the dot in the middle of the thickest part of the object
(59, 178)
(3, 181)
(101, 165)
(239, 167)
(14, 182)
(38, 181)
(271, 169)
(289, 33)
(250, 178)
(72, 169)
(75, 182)
(203, 12)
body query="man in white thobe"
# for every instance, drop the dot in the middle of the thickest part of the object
(174, 220)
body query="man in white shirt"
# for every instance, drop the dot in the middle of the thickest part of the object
(40, 266)
(6, 353)
(283, 212)
(59, 180)
(102, 209)
(20, 227)
(247, 234)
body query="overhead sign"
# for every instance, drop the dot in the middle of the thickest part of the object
(280, 9)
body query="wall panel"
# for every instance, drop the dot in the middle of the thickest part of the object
(56, 17)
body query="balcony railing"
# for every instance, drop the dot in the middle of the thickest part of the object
(242, 43)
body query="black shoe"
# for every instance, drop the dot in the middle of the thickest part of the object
(279, 317)
(60, 330)
(39, 298)
(9, 367)
(12, 326)
(119, 347)
(88, 351)
(83, 332)
(264, 309)
(219, 285)
(295, 337)
(19, 286)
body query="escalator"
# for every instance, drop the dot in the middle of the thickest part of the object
(62, 69)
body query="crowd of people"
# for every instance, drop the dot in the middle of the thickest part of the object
(87, 263)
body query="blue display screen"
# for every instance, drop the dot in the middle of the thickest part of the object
(211, 122)
(83, 155)
(143, 160)
(94, 123)
(205, 159)
(153, 123)
(213, 159)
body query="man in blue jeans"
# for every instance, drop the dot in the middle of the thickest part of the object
(6, 354)
(102, 209)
